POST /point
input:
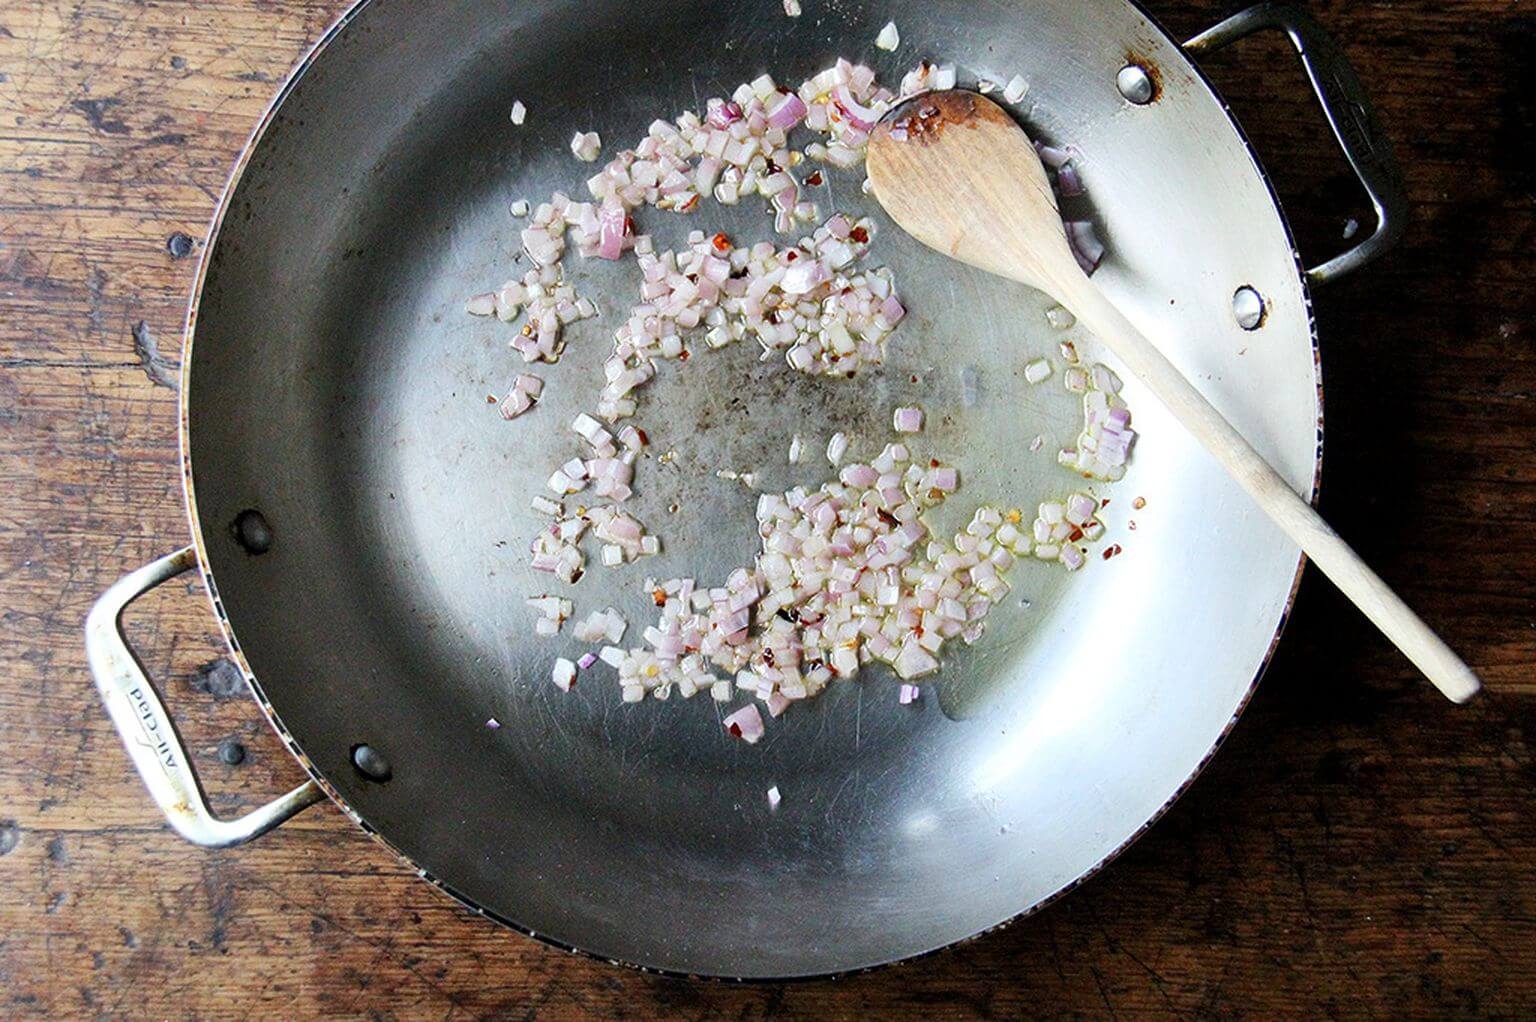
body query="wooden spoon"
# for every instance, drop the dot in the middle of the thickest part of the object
(959, 174)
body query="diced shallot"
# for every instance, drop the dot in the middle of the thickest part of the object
(746, 724)
(908, 420)
(585, 145)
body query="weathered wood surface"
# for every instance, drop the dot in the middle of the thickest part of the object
(1359, 847)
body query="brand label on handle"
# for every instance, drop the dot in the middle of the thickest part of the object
(149, 720)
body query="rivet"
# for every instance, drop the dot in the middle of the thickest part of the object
(371, 763)
(251, 531)
(1248, 307)
(1135, 84)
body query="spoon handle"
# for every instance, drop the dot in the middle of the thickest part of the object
(1295, 516)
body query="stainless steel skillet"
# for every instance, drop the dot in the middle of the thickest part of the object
(359, 513)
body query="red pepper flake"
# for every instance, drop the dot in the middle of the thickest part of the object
(791, 256)
(1112, 551)
(1139, 503)
(734, 729)
(722, 242)
(1076, 534)
(859, 234)
(1131, 525)
(490, 399)
(933, 462)
(815, 178)
(689, 206)
(644, 439)
(659, 597)
(683, 356)
(1106, 502)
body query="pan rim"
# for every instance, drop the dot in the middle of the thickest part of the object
(226, 627)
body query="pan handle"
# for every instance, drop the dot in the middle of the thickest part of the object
(1349, 114)
(146, 730)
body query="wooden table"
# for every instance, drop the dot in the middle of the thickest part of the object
(1360, 847)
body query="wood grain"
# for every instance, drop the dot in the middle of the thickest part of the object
(1358, 849)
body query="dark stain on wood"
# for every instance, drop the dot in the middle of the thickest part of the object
(220, 678)
(97, 112)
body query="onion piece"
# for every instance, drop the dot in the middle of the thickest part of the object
(613, 228)
(837, 446)
(908, 420)
(746, 724)
(585, 145)
(1085, 244)
(1068, 183)
(889, 38)
(787, 111)
(857, 114)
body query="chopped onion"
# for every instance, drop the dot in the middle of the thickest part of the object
(1037, 370)
(837, 446)
(1060, 318)
(746, 724)
(1015, 89)
(1085, 245)
(889, 38)
(1051, 156)
(1068, 182)
(773, 793)
(564, 674)
(613, 227)
(787, 111)
(908, 420)
(519, 112)
(585, 145)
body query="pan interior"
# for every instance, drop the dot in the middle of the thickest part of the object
(338, 387)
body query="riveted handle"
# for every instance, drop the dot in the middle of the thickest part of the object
(146, 729)
(1348, 112)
